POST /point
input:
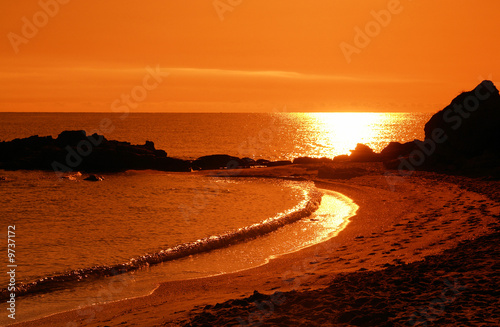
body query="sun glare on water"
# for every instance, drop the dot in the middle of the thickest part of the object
(332, 134)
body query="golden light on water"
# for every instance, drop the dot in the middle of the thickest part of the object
(347, 128)
(333, 134)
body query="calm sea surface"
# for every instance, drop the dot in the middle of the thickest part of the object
(270, 136)
(76, 231)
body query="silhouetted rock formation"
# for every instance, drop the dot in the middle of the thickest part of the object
(462, 138)
(218, 161)
(74, 150)
(470, 124)
(363, 153)
(94, 178)
(268, 163)
(224, 161)
(71, 138)
(77, 151)
(395, 149)
(278, 163)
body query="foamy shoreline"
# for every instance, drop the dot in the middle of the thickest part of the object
(378, 237)
(119, 282)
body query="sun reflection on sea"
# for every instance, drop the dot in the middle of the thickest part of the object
(332, 134)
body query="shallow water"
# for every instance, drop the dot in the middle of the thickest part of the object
(69, 225)
(134, 217)
(326, 222)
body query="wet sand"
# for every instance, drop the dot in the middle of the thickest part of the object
(421, 249)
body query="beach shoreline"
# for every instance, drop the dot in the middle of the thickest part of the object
(378, 237)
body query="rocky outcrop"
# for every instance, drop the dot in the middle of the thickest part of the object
(470, 124)
(219, 161)
(269, 163)
(462, 138)
(464, 135)
(278, 163)
(77, 151)
(363, 153)
(94, 178)
(395, 149)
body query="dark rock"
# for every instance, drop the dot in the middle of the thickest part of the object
(341, 158)
(160, 153)
(262, 162)
(94, 178)
(470, 123)
(395, 150)
(71, 138)
(74, 150)
(218, 161)
(256, 296)
(149, 145)
(462, 138)
(249, 161)
(363, 153)
(278, 163)
(268, 163)
(395, 164)
(309, 160)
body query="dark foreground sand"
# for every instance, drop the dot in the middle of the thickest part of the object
(422, 250)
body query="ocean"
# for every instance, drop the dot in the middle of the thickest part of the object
(75, 238)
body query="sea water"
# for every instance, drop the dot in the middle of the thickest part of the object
(72, 235)
(273, 136)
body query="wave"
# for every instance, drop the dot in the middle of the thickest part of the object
(47, 284)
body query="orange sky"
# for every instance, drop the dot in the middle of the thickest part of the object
(253, 55)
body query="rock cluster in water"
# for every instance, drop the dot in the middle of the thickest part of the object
(463, 136)
(77, 151)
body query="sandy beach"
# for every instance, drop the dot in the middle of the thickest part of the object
(420, 250)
